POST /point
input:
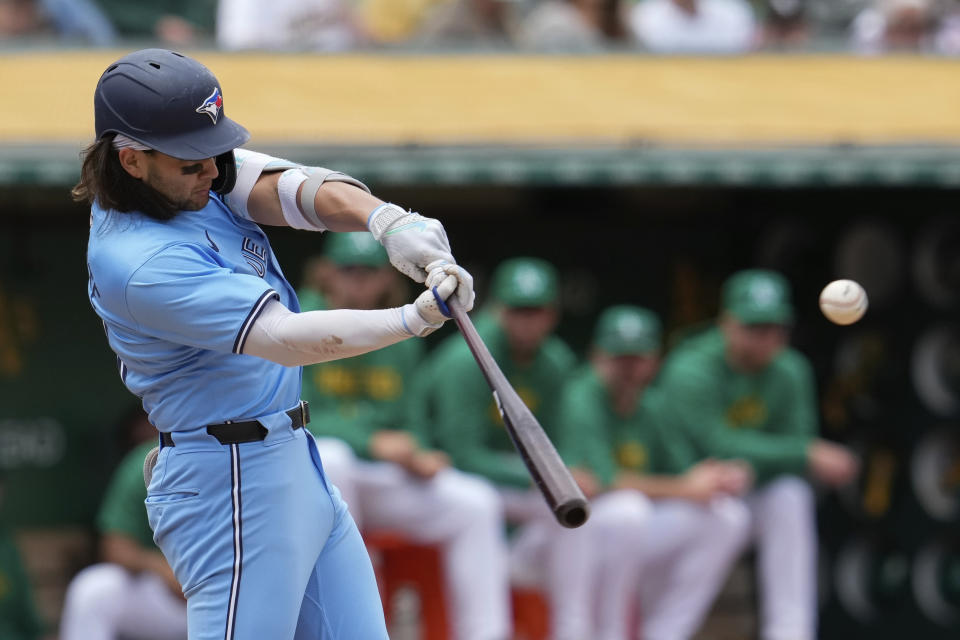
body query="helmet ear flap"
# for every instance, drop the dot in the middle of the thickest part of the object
(227, 178)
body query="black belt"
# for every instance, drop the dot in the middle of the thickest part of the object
(249, 431)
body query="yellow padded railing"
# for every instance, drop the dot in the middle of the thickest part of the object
(374, 99)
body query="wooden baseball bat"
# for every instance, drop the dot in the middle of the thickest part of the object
(563, 496)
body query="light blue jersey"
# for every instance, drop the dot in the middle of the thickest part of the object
(261, 543)
(177, 299)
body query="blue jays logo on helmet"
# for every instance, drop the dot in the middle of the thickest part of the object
(213, 105)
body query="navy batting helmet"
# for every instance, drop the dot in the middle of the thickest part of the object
(168, 102)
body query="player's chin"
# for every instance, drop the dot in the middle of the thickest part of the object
(197, 201)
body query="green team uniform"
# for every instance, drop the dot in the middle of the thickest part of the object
(312, 300)
(123, 511)
(467, 423)
(593, 436)
(766, 418)
(353, 398)
(18, 617)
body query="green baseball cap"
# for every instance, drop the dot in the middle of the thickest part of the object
(525, 282)
(758, 296)
(627, 330)
(354, 249)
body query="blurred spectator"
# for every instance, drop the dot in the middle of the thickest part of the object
(895, 25)
(785, 24)
(19, 18)
(469, 23)
(694, 26)
(73, 19)
(947, 38)
(395, 20)
(739, 392)
(80, 19)
(133, 592)
(315, 25)
(18, 615)
(172, 22)
(575, 25)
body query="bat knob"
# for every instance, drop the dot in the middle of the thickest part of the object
(441, 304)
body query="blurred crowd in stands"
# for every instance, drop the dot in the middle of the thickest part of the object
(657, 26)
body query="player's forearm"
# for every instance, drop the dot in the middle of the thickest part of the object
(344, 207)
(297, 339)
(765, 452)
(340, 206)
(124, 551)
(655, 487)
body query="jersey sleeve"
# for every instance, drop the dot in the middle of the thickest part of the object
(797, 414)
(582, 436)
(183, 295)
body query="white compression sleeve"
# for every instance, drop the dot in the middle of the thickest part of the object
(297, 339)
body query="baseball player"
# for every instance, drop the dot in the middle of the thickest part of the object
(19, 619)
(208, 333)
(379, 459)
(468, 426)
(739, 391)
(133, 592)
(661, 528)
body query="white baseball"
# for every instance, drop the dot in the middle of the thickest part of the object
(843, 301)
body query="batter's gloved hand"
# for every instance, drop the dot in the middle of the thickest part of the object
(415, 243)
(439, 270)
(431, 305)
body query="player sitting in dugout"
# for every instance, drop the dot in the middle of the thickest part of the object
(375, 452)
(664, 529)
(739, 391)
(132, 592)
(517, 327)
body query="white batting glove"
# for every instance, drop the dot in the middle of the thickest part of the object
(415, 243)
(438, 270)
(429, 307)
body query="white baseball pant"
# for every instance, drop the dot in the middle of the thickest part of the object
(784, 527)
(675, 555)
(460, 512)
(105, 602)
(685, 558)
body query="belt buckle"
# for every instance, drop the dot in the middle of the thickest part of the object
(304, 413)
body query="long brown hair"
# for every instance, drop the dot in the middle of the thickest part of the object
(104, 181)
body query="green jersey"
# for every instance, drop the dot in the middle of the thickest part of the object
(18, 617)
(467, 422)
(353, 398)
(766, 418)
(593, 436)
(123, 511)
